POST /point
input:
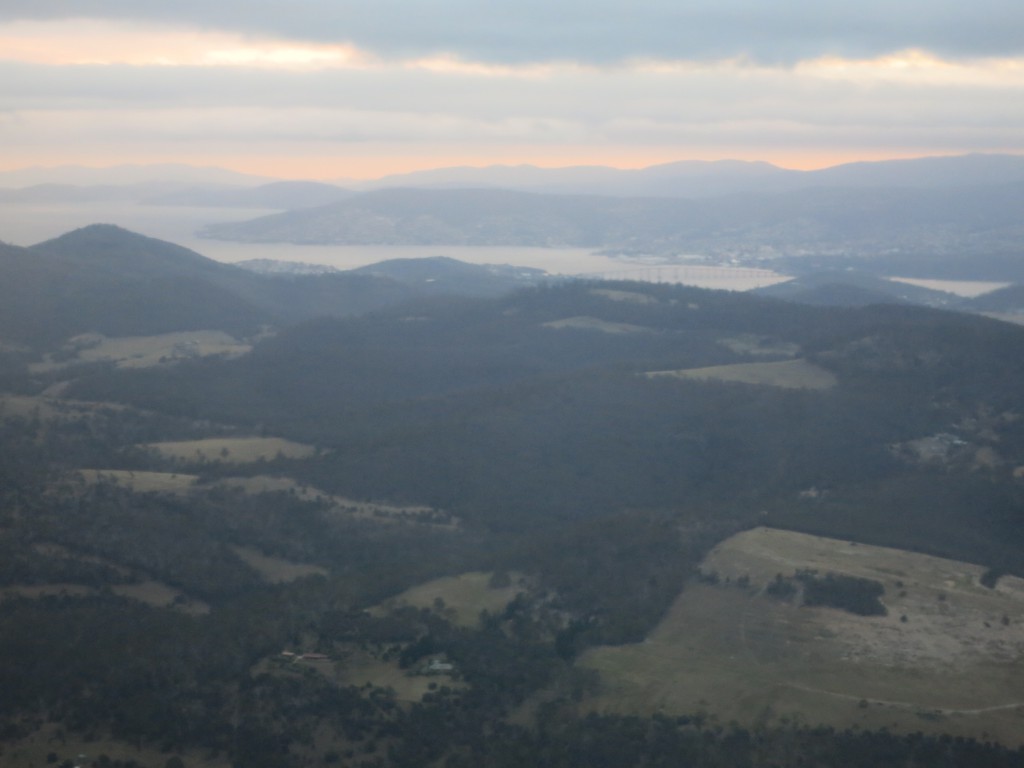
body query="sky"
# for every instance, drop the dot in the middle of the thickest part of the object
(335, 89)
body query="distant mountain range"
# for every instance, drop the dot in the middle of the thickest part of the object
(939, 217)
(958, 222)
(708, 179)
(688, 178)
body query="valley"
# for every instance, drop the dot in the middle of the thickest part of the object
(434, 512)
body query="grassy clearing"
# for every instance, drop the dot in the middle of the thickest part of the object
(596, 324)
(276, 570)
(140, 482)
(631, 296)
(463, 596)
(750, 344)
(360, 667)
(340, 505)
(161, 595)
(955, 665)
(232, 450)
(154, 593)
(790, 374)
(144, 351)
(37, 591)
(47, 408)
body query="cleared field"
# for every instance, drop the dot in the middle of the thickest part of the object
(948, 657)
(47, 408)
(367, 510)
(750, 344)
(161, 595)
(583, 323)
(790, 374)
(153, 593)
(141, 482)
(36, 591)
(464, 596)
(276, 570)
(145, 351)
(232, 450)
(630, 296)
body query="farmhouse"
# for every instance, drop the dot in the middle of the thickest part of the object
(437, 667)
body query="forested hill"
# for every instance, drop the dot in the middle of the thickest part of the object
(107, 280)
(233, 562)
(538, 406)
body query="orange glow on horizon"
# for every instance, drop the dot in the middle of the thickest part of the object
(374, 167)
(328, 168)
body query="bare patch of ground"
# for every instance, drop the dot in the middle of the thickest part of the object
(790, 374)
(948, 657)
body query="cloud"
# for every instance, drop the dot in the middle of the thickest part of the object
(592, 32)
(827, 105)
(507, 82)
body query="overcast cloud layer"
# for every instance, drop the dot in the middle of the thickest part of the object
(330, 89)
(593, 30)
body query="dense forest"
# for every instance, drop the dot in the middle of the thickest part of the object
(540, 436)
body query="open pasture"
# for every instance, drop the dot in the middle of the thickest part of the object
(583, 323)
(463, 597)
(154, 593)
(276, 570)
(140, 482)
(232, 450)
(145, 351)
(948, 657)
(789, 374)
(377, 511)
(47, 408)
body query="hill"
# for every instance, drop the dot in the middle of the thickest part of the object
(956, 222)
(114, 282)
(107, 280)
(441, 274)
(852, 288)
(402, 537)
(539, 409)
(696, 179)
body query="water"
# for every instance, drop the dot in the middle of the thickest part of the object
(27, 225)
